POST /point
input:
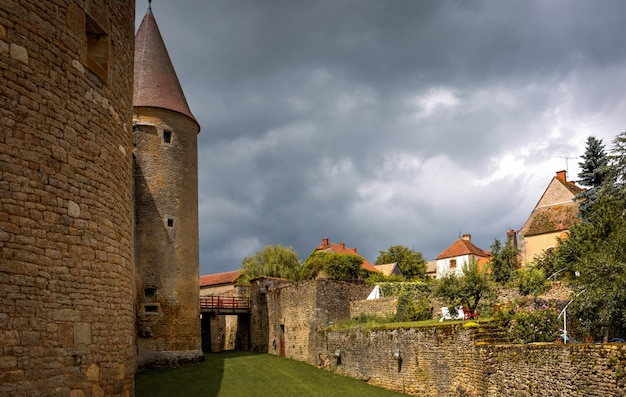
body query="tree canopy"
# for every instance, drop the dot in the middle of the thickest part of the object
(595, 252)
(332, 265)
(594, 171)
(272, 261)
(503, 261)
(412, 263)
(466, 290)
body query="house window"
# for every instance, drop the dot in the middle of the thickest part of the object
(452, 263)
(167, 136)
(170, 222)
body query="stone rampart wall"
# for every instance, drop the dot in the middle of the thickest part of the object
(447, 361)
(382, 307)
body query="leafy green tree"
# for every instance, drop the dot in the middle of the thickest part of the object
(503, 261)
(412, 263)
(547, 262)
(593, 172)
(466, 290)
(596, 250)
(600, 302)
(530, 281)
(272, 261)
(332, 265)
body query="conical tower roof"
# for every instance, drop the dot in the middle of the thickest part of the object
(156, 83)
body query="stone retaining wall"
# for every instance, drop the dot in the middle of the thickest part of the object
(447, 361)
(381, 307)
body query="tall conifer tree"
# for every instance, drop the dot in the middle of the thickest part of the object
(593, 172)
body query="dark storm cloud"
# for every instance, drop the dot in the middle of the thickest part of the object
(383, 123)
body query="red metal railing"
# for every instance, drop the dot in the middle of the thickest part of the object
(224, 302)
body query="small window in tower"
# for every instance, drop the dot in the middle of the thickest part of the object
(149, 292)
(167, 136)
(98, 47)
(151, 308)
(170, 222)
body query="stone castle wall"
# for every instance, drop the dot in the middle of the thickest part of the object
(437, 361)
(447, 361)
(67, 314)
(382, 307)
(286, 314)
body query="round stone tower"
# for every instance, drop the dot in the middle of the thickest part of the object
(67, 312)
(166, 207)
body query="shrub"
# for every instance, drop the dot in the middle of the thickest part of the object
(531, 281)
(411, 288)
(504, 314)
(409, 309)
(539, 325)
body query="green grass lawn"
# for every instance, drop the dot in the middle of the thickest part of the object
(234, 374)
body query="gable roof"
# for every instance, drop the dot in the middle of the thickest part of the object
(559, 190)
(155, 81)
(460, 247)
(556, 210)
(552, 219)
(388, 269)
(220, 278)
(340, 248)
(569, 185)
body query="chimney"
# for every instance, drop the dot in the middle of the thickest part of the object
(342, 245)
(325, 242)
(467, 237)
(561, 176)
(353, 250)
(511, 238)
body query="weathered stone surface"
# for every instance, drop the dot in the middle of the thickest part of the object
(65, 193)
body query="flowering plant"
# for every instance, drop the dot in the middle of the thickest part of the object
(535, 325)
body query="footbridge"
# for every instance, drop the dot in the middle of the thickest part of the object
(225, 304)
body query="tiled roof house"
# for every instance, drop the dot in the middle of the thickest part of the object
(340, 248)
(219, 283)
(459, 253)
(552, 217)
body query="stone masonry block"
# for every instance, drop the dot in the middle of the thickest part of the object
(19, 53)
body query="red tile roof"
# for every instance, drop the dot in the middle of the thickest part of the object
(340, 248)
(156, 83)
(220, 278)
(462, 247)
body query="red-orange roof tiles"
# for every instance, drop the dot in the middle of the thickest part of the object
(220, 278)
(327, 246)
(156, 83)
(462, 247)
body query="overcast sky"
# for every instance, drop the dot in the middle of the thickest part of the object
(380, 123)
